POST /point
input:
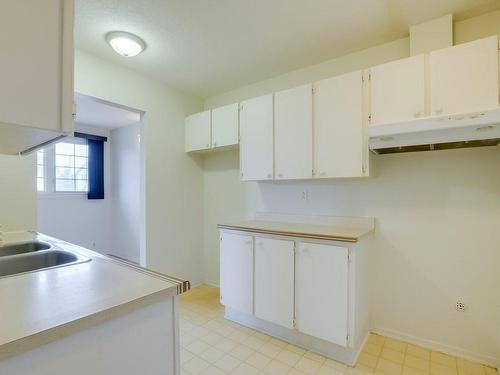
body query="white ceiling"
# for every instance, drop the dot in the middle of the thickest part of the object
(211, 46)
(98, 113)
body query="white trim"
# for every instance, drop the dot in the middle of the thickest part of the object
(211, 283)
(448, 349)
(365, 340)
(62, 195)
(346, 355)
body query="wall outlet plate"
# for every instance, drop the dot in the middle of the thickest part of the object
(460, 306)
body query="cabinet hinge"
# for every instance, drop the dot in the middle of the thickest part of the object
(294, 323)
(347, 338)
(369, 118)
(313, 90)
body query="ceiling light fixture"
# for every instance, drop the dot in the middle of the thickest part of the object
(125, 44)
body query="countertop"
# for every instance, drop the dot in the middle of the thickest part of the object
(341, 231)
(39, 307)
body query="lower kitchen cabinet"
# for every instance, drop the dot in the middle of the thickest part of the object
(236, 271)
(308, 291)
(322, 291)
(274, 279)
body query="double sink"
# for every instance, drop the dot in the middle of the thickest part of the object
(33, 256)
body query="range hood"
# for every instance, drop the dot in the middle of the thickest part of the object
(475, 129)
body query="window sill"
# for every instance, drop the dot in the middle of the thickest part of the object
(61, 195)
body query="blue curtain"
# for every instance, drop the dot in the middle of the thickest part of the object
(96, 169)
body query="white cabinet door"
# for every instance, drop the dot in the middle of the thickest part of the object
(398, 90)
(339, 144)
(36, 64)
(256, 139)
(274, 280)
(236, 271)
(464, 78)
(321, 291)
(198, 131)
(293, 133)
(225, 125)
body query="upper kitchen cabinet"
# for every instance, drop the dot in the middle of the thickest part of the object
(225, 126)
(398, 90)
(464, 78)
(256, 139)
(293, 133)
(340, 149)
(36, 75)
(198, 131)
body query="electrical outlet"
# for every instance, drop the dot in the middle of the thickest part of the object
(304, 195)
(460, 306)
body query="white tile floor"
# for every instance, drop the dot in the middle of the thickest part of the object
(211, 345)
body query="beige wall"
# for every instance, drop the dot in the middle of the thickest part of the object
(174, 180)
(438, 219)
(17, 192)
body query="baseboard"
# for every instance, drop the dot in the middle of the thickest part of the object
(360, 349)
(448, 349)
(197, 285)
(212, 283)
(347, 355)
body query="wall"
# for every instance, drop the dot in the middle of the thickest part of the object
(125, 192)
(17, 192)
(73, 217)
(173, 215)
(438, 219)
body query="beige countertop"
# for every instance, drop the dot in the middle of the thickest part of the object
(40, 307)
(345, 232)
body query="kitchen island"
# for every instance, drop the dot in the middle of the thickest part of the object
(100, 316)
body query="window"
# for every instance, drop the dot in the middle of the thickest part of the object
(71, 167)
(40, 170)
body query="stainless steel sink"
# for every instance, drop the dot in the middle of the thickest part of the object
(23, 248)
(16, 264)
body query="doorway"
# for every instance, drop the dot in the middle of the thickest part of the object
(111, 223)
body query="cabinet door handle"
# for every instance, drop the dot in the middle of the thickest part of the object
(417, 114)
(438, 111)
(269, 175)
(280, 175)
(215, 144)
(260, 244)
(322, 174)
(249, 242)
(207, 145)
